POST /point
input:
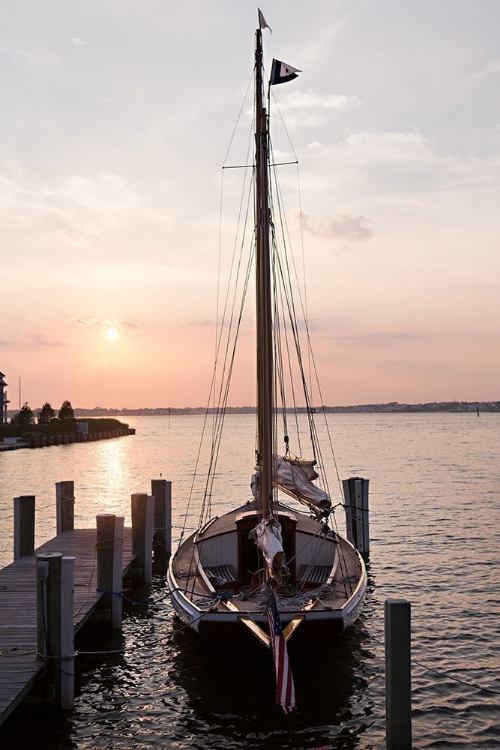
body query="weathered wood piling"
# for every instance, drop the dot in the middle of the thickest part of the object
(161, 489)
(357, 513)
(398, 674)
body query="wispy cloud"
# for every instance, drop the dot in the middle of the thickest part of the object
(41, 339)
(70, 238)
(37, 59)
(310, 108)
(345, 228)
(128, 325)
(492, 66)
(78, 43)
(89, 205)
(396, 163)
(311, 100)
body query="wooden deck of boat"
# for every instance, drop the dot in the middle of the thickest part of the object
(19, 666)
(190, 580)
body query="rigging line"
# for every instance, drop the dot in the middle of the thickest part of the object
(231, 366)
(228, 339)
(223, 401)
(252, 166)
(310, 350)
(290, 368)
(314, 437)
(237, 276)
(233, 260)
(306, 302)
(284, 126)
(238, 224)
(455, 679)
(211, 391)
(237, 120)
(223, 167)
(219, 336)
(289, 359)
(278, 353)
(219, 251)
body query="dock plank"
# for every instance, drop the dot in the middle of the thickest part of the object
(19, 665)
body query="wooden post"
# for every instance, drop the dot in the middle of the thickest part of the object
(48, 572)
(116, 601)
(357, 513)
(398, 674)
(24, 526)
(65, 506)
(161, 490)
(67, 663)
(142, 533)
(105, 524)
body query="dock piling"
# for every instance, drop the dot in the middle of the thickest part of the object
(142, 533)
(55, 628)
(67, 664)
(105, 545)
(161, 489)
(24, 526)
(65, 506)
(357, 513)
(398, 674)
(116, 601)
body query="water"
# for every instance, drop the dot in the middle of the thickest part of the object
(435, 536)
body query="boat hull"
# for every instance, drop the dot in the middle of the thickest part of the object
(316, 627)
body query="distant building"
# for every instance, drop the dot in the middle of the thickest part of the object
(3, 400)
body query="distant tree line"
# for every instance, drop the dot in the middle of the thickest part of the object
(26, 415)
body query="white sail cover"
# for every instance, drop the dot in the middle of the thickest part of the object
(295, 477)
(267, 537)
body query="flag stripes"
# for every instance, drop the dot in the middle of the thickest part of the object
(285, 690)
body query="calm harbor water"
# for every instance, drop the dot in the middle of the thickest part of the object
(435, 540)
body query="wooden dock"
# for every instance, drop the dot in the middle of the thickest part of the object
(19, 665)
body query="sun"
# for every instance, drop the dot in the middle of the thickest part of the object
(112, 334)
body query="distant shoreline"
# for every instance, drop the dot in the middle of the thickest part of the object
(388, 408)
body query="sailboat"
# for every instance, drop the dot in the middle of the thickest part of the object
(279, 553)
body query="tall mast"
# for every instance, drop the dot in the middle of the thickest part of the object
(263, 292)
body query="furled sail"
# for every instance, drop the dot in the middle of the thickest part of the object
(267, 537)
(295, 477)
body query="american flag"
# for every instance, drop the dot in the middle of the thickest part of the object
(285, 691)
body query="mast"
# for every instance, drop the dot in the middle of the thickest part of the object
(263, 293)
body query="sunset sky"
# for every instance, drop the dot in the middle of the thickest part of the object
(116, 119)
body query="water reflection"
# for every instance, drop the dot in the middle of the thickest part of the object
(434, 505)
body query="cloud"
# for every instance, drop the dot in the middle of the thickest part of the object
(390, 339)
(40, 339)
(310, 100)
(345, 228)
(3, 342)
(128, 325)
(70, 238)
(394, 164)
(78, 43)
(310, 108)
(89, 205)
(36, 59)
(493, 66)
